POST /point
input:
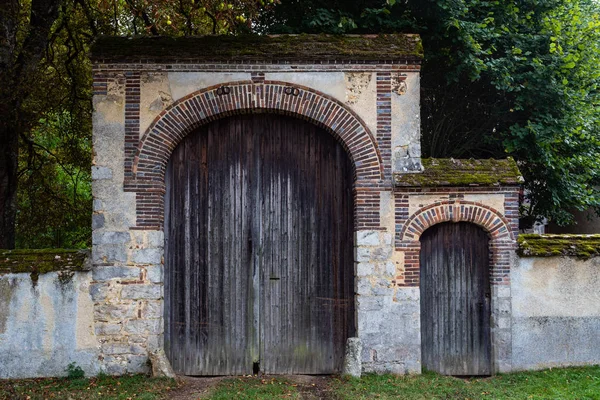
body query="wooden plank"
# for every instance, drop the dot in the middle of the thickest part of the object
(455, 306)
(259, 249)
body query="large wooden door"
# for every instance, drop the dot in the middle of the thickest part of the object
(258, 249)
(455, 300)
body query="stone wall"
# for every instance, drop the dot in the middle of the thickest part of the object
(46, 316)
(142, 110)
(555, 312)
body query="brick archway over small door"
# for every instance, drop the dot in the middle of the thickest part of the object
(145, 165)
(502, 240)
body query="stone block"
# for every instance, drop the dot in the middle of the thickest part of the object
(147, 256)
(161, 367)
(108, 254)
(368, 303)
(367, 238)
(99, 291)
(363, 254)
(365, 269)
(99, 173)
(138, 364)
(389, 270)
(141, 292)
(155, 239)
(99, 238)
(388, 239)
(153, 309)
(108, 312)
(143, 326)
(154, 342)
(102, 273)
(352, 358)
(381, 253)
(154, 273)
(97, 221)
(114, 365)
(115, 348)
(98, 205)
(363, 287)
(106, 328)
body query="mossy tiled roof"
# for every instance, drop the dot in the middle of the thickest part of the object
(581, 246)
(456, 172)
(41, 261)
(388, 47)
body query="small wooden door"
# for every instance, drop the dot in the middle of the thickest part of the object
(455, 300)
(258, 249)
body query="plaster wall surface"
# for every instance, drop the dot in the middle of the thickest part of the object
(47, 324)
(556, 313)
(406, 123)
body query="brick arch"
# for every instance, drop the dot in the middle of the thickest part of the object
(502, 239)
(146, 165)
(494, 223)
(211, 103)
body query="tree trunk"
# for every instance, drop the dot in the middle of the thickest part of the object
(18, 66)
(8, 178)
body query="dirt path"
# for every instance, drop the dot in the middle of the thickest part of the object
(309, 387)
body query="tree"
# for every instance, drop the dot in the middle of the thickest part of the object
(516, 77)
(22, 45)
(45, 101)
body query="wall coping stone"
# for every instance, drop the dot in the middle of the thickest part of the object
(41, 261)
(547, 245)
(405, 48)
(456, 172)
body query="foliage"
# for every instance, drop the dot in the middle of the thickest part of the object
(567, 383)
(512, 77)
(74, 371)
(534, 68)
(45, 98)
(516, 77)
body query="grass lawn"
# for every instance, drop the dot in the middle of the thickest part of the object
(103, 387)
(567, 383)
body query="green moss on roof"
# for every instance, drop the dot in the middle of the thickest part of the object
(454, 172)
(41, 261)
(581, 246)
(389, 47)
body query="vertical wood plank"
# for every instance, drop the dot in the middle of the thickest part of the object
(258, 249)
(455, 307)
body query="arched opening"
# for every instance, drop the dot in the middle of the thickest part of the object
(455, 299)
(258, 249)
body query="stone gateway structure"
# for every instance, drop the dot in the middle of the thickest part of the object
(261, 205)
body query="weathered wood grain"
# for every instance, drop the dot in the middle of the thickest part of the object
(259, 249)
(455, 300)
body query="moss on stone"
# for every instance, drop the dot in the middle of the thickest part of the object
(454, 172)
(41, 261)
(580, 246)
(384, 47)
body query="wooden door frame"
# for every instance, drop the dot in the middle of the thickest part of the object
(502, 246)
